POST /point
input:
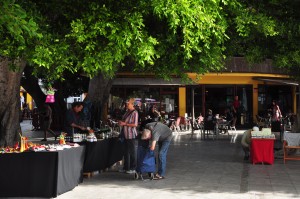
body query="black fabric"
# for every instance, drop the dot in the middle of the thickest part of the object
(116, 151)
(70, 169)
(102, 154)
(38, 174)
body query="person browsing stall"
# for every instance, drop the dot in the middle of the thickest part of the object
(129, 123)
(73, 119)
(246, 141)
(161, 134)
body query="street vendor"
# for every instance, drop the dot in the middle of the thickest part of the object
(246, 141)
(73, 122)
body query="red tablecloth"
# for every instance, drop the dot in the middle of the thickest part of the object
(262, 150)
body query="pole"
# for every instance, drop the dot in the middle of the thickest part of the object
(193, 109)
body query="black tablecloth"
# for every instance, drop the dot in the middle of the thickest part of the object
(40, 174)
(102, 154)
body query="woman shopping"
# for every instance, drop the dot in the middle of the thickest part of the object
(129, 123)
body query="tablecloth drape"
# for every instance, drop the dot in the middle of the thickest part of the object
(262, 151)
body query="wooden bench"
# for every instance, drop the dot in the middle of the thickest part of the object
(286, 150)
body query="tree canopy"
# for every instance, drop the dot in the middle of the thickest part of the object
(60, 39)
(161, 36)
(164, 37)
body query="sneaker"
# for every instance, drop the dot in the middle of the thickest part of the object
(158, 177)
(130, 171)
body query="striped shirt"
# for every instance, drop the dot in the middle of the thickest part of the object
(130, 117)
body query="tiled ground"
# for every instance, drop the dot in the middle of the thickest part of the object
(198, 169)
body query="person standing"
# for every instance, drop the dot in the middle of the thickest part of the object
(235, 110)
(73, 120)
(129, 123)
(47, 120)
(276, 113)
(159, 133)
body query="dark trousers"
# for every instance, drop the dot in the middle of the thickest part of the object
(130, 154)
(246, 151)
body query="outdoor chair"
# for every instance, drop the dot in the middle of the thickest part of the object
(209, 129)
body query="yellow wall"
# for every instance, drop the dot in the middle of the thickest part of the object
(29, 101)
(182, 101)
(255, 100)
(231, 78)
(238, 78)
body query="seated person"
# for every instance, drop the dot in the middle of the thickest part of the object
(209, 116)
(228, 115)
(154, 114)
(246, 141)
(73, 121)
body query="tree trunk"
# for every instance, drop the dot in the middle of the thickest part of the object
(99, 89)
(31, 84)
(10, 102)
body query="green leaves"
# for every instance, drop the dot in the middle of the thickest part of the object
(165, 37)
(17, 29)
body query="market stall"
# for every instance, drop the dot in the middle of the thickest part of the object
(41, 174)
(102, 154)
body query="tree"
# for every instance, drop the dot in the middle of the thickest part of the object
(18, 33)
(163, 37)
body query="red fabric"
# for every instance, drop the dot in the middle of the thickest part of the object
(262, 150)
(236, 104)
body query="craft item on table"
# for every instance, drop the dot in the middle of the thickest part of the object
(50, 95)
(77, 137)
(24, 145)
(91, 138)
(62, 138)
(37, 148)
(264, 133)
(17, 146)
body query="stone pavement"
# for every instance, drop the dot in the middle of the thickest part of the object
(197, 169)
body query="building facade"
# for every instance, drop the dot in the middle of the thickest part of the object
(256, 86)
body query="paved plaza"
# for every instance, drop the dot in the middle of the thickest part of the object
(196, 169)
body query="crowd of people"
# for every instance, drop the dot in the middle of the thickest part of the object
(153, 131)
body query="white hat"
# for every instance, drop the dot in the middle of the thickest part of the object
(255, 128)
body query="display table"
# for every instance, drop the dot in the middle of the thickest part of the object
(102, 154)
(262, 150)
(40, 174)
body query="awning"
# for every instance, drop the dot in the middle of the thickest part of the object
(277, 80)
(148, 82)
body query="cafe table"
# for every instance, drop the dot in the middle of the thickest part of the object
(262, 150)
(41, 174)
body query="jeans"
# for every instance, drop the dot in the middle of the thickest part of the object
(162, 157)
